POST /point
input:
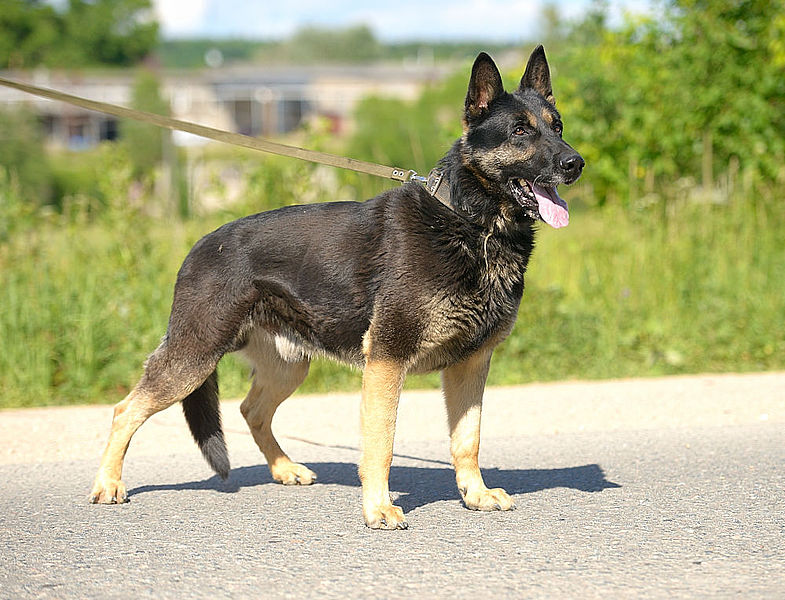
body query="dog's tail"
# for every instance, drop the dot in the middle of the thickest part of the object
(203, 415)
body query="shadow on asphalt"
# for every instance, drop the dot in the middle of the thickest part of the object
(417, 486)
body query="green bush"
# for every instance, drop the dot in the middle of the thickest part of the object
(22, 154)
(146, 144)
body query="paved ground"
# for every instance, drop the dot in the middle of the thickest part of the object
(657, 488)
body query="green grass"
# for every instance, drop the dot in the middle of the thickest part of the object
(616, 294)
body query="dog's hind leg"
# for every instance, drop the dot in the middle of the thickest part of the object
(275, 379)
(166, 380)
(463, 386)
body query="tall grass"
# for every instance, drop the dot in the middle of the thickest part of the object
(696, 288)
(634, 294)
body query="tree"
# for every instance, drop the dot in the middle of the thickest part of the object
(676, 95)
(319, 45)
(729, 77)
(80, 33)
(28, 32)
(111, 32)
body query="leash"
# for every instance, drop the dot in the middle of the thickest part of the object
(432, 183)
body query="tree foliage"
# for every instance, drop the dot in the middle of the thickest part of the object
(315, 45)
(191, 53)
(684, 94)
(75, 34)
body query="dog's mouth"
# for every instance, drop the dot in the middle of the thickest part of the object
(543, 201)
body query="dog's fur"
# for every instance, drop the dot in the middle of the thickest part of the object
(397, 284)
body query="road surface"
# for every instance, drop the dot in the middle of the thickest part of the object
(659, 488)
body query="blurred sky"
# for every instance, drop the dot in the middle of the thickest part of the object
(487, 20)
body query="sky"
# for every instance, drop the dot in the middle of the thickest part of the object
(487, 20)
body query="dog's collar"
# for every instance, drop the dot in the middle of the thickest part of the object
(437, 187)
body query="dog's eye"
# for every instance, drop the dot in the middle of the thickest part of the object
(521, 130)
(557, 128)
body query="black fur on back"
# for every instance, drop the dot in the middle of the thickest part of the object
(203, 415)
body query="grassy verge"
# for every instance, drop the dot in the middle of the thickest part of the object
(616, 294)
(632, 295)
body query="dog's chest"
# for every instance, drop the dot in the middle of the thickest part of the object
(463, 319)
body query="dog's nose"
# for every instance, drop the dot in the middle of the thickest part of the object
(572, 164)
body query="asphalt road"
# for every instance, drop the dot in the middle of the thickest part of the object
(653, 488)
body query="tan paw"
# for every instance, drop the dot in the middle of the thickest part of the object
(108, 491)
(487, 499)
(292, 473)
(386, 516)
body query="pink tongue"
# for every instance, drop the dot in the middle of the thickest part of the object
(553, 209)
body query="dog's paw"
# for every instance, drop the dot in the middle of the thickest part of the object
(487, 499)
(108, 491)
(386, 516)
(292, 473)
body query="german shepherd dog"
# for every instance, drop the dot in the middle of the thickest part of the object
(400, 283)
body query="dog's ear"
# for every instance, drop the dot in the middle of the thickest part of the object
(538, 76)
(485, 86)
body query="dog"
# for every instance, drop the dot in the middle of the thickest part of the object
(399, 283)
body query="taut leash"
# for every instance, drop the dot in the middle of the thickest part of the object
(432, 182)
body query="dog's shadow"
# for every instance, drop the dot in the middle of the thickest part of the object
(416, 486)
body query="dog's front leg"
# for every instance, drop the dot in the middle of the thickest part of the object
(463, 386)
(382, 383)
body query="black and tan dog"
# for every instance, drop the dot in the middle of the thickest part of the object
(400, 283)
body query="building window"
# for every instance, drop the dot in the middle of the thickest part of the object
(292, 112)
(108, 130)
(78, 133)
(246, 117)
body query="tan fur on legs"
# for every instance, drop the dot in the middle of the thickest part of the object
(463, 386)
(129, 414)
(274, 381)
(382, 383)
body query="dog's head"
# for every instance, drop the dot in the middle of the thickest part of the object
(513, 141)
